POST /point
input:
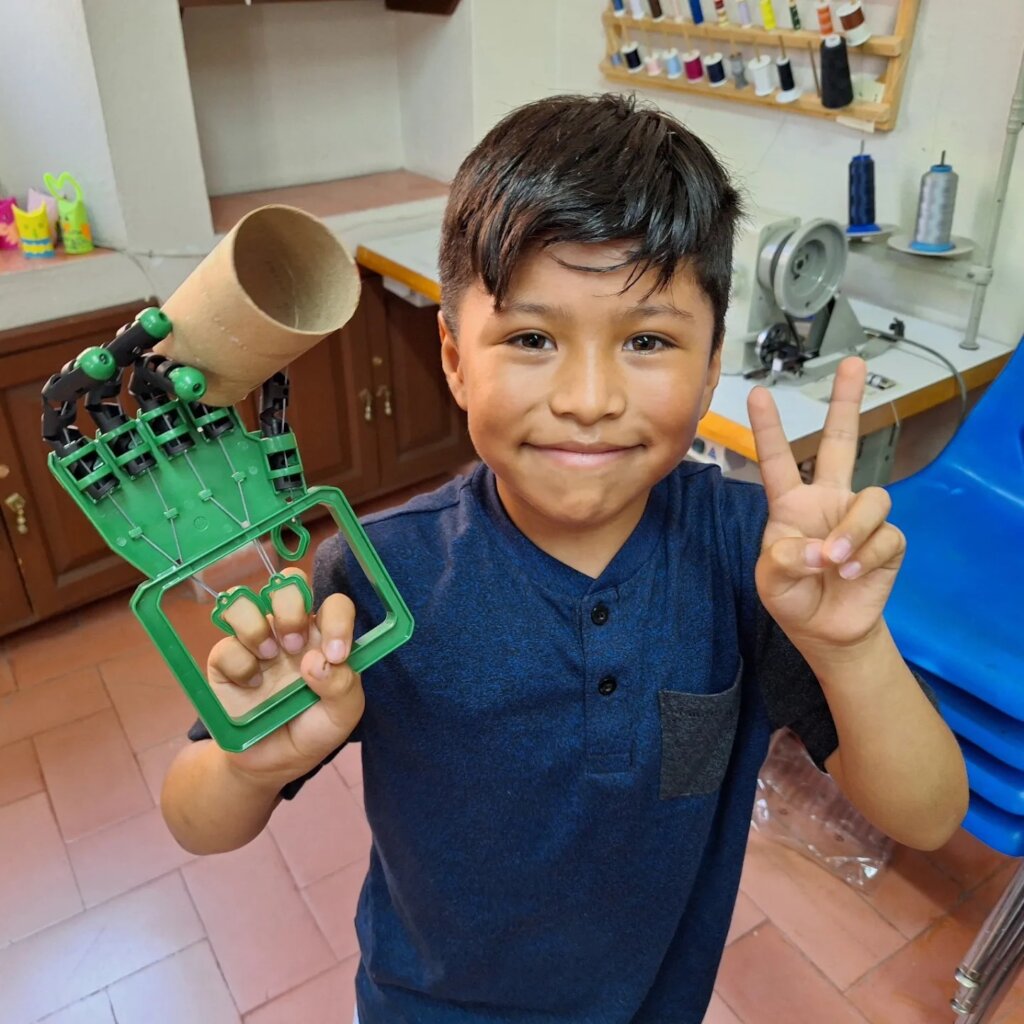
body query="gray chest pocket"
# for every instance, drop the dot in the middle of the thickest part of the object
(697, 734)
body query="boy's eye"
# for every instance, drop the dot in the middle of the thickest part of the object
(647, 343)
(533, 341)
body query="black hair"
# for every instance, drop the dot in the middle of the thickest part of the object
(589, 169)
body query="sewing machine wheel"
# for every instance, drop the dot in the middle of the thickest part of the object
(777, 342)
(803, 268)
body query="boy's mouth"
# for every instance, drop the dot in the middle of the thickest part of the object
(574, 453)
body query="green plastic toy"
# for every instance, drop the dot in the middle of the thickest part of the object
(75, 229)
(182, 485)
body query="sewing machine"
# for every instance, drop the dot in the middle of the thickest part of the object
(787, 322)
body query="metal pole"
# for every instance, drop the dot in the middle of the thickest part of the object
(1013, 129)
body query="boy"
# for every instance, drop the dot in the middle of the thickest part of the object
(559, 767)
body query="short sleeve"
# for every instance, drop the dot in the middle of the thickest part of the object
(791, 691)
(329, 578)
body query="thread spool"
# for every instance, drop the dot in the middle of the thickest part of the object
(721, 12)
(788, 91)
(768, 15)
(618, 8)
(760, 71)
(631, 55)
(851, 17)
(738, 69)
(693, 65)
(673, 65)
(656, 12)
(714, 65)
(836, 83)
(637, 8)
(862, 195)
(746, 20)
(794, 16)
(824, 12)
(652, 65)
(696, 12)
(935, 207)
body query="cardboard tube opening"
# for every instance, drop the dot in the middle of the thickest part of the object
(293, 270)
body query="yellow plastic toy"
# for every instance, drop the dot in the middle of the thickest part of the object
(34, 232)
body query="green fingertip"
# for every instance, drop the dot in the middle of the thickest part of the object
(189, 383)
(97, 363)
(155, 322)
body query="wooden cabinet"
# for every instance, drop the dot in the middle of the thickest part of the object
(61, 562)
(369, 406)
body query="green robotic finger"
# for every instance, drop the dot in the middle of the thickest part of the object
(180, 486)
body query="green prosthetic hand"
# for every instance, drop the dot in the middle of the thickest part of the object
(182, 485)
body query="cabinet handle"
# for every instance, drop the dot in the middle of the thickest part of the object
(385, 392)
(367, 399)
(16, 503)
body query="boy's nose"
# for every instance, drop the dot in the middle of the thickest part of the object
(589, 388)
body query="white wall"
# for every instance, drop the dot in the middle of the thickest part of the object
(51, 118)
(436, 58)
(962, 71)
(293, 93)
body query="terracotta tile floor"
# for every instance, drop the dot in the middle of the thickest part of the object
(104, 920)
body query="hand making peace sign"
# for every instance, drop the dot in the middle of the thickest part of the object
(828, 558)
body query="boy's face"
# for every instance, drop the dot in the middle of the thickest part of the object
(581, 396)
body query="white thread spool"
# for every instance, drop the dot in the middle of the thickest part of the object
(855, 28)
(760, 69)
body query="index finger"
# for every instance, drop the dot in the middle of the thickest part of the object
(837, 453)
(774, 455)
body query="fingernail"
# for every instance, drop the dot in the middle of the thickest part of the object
(293, 642)
(256, 681)
(336, 652)
(849, 571)
(321, 671)
(812, 554)
(267, 649)
(840, 550)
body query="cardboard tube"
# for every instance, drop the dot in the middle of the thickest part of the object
(273, 287)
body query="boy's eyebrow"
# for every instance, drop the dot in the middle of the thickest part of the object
(646, 310)
(643, 311)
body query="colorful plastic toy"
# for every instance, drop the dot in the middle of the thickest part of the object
(8, 228)
(74, 221)
(183, 484)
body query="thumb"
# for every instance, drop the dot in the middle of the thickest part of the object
(333, 684)
(793, 558)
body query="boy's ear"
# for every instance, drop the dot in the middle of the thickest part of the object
(451, 362)
(711, 381)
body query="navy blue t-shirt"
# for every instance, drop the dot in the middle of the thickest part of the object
(559, 771)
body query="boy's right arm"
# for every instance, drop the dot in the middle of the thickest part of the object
(214, 801)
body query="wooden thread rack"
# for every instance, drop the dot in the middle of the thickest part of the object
(880, 116)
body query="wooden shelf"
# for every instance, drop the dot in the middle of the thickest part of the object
(795, 41)
(894, 49)
(808, 103)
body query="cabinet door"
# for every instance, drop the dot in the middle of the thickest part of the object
(64, 562)
(15, 609)
(330, 386)
(424, 433)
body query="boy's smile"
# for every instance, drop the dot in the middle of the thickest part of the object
(582, 393)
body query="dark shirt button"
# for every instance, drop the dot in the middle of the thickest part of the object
(607, 686)
(599, 614)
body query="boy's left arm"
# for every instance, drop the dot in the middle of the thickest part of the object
(828, 561)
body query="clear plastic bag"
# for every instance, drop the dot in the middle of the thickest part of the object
(804, 809)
